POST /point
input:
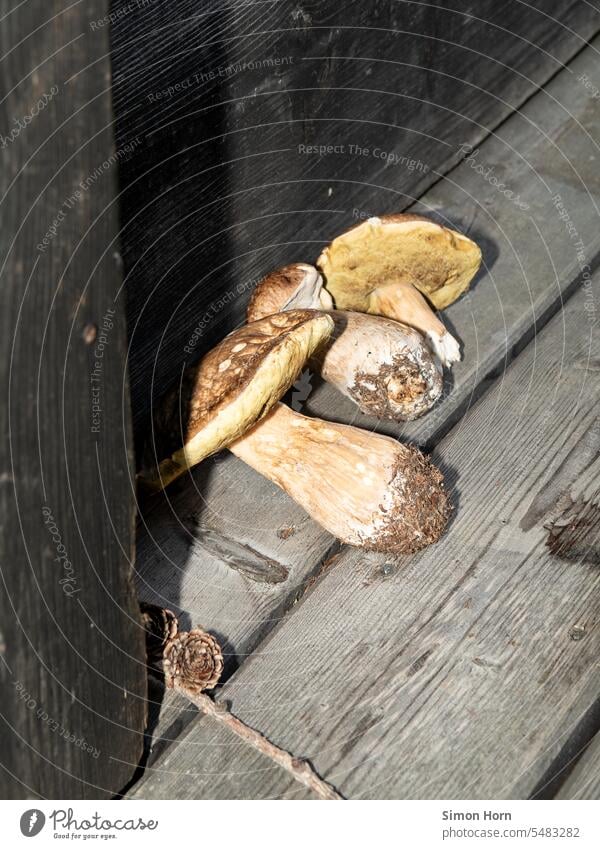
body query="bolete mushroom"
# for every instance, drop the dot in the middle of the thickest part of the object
(382, 266)
(382, 365)
(366, 489)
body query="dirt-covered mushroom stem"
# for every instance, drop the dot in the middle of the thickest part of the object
(382, 365)
(368, 490)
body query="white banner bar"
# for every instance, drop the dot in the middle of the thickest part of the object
(278, 824)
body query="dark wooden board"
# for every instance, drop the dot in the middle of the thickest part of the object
(230, 499)
(224, 99)
(462, 671)
(73, 683)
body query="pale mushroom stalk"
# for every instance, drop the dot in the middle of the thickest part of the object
(366, 489)
(403, 302)
(384, 366)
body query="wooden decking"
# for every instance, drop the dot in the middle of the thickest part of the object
(471, 669)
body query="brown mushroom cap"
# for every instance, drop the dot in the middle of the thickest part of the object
(295, 286)
(398, 248)
(231, 389)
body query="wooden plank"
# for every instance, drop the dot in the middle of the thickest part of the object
(73, 683)
(521, 287)
(229, 104)
(531, 257)
(457, 673)
(584, 781)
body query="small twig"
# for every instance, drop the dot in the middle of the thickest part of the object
(300, 769)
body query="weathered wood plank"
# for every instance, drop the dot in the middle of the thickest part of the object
(459, 672)
(175, 570)
(231, 101)
(584, 781)
(72, 679)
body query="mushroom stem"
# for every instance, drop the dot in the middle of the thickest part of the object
(366, 489)
(383, 366)
(403, 302)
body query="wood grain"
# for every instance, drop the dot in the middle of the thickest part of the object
(210, 584)
(455, 673)
(73, 683)
(213, 770)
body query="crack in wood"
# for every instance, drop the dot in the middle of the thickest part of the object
(420, 662)
(243, 558)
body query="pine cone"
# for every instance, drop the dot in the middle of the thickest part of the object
(193, 659)
(161, 626)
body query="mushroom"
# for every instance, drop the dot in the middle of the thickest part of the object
(366, 489)
(382, 365)
(382, 266)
